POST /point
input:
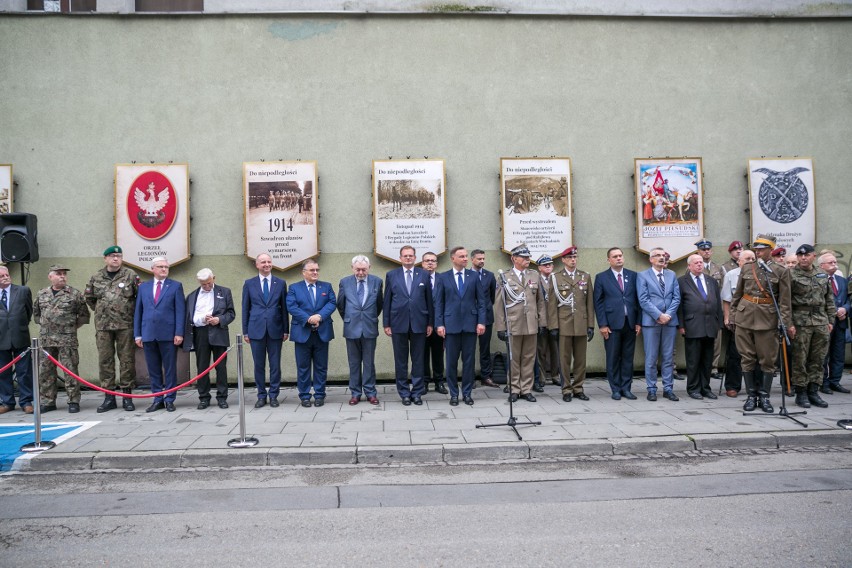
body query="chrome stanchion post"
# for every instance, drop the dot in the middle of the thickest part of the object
(38, 445)
(242, 441)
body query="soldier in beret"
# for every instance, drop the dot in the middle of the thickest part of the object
(60, 310)
(779, 256)
(111, 294)
(734, 250)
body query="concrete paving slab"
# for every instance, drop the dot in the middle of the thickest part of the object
(311, 456)
(372, 426)
(456, 424)
(137, 460)
(544, 433)
(651, 445)
(228, 457)
(568, 448)
(259, 428)
(125, 444)
(161, 443)
(647, 429)
(293, 440)
(400, 454)
(800, 438)
(599, 431)
(743, 440)
(344, 439)
(395, 438)
(408, 425)
(454, 453)
(308, 427)
(437, 437)
(51, 461)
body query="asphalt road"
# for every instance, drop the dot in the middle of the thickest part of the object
(738, 508)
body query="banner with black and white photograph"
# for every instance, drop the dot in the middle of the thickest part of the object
(782, 200)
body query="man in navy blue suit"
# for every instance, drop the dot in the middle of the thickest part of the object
(265, 327)
(311, 303)
(617, 312)
(407, 320)
(433, 357)
(659, 298)
(459, 319)
(359, 301)
(837, 340)
(489, 289)
(158, 327)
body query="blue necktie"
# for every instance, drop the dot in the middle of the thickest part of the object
(361, 292)
(461, 283)
(408, 281)
(662, 282)
(313, 294)
(701, 287)
(265, 290)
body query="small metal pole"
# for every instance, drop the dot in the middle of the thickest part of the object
(242, 441)
(38, 445)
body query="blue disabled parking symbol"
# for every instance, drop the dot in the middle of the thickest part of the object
(13, 436)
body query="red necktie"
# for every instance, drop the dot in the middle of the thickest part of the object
(834, 285)
(620, 282)
(157, 291)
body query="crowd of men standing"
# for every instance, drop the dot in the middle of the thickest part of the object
(772, 314)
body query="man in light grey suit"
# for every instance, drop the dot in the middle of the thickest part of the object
(359, 301)
(659, 298)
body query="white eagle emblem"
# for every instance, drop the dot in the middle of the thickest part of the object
(151, 205)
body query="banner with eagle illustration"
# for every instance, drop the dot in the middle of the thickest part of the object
(782, 200)
(152, 213)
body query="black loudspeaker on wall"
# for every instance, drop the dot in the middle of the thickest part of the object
(18, 237)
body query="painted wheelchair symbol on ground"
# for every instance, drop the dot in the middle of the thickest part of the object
(13, 436)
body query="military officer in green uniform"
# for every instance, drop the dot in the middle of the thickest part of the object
(59, 310)
(570, 309)
(548, 346)
(756, 319)
(519, 293)
(111, 294)
(813, 315)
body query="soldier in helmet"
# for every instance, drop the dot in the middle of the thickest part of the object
(570, 309)
(756, 332)
(814, 311)
(111, 294)
(60, 310)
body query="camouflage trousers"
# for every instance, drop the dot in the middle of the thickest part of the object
(47, 377)
(809, 348)
(110, 342)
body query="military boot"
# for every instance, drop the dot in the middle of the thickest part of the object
(802, 397)
(751, 390)
(127, 402)
(813, 396)
(107, 404)
(763, 394)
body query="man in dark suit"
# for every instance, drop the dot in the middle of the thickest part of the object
(209, 310)
(837, 340)
(433, 358)
(16, 310)
(265, 327)
(459, 319)
(158, 327)
(311, 303)
(407, 320)
(617, 312)
(659, 297)
(489, 291)
(700, 317)
(359, 301)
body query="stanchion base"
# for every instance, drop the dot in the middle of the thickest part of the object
(44, 445)
(845, 424)
(243, 443)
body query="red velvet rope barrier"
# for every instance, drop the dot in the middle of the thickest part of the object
(128, 395)
(13, 361)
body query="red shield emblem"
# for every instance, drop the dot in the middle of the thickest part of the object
(152, 205)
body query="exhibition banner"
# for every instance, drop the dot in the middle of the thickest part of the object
(782, 200)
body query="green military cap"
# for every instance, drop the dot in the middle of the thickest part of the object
(58, 267)
(112, 250)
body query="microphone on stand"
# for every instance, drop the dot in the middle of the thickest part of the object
(762, 264)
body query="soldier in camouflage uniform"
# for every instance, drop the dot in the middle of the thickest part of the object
(756, 331)
(60, 310)
(813, 316)
(111, 294)
(570, 309)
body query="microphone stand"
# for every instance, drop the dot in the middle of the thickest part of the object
(785, 371)
(512, 422)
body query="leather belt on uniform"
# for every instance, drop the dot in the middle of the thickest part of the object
(754, 300)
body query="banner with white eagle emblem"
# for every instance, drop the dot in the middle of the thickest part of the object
(152, 213)
(782, 200)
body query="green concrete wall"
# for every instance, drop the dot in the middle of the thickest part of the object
(80, 94)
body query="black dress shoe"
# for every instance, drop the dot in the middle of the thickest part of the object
(628, 395)
(223, 404)
(73, 407)
(417, 400)
(695, 395)
(529, 397)
(306, 403)
(406, 401)
(441, 388)
(581, 395)
(155, 407)
(454, 401)
(567, 397)
(709, 394)
(273, 402)
(203, 404)
(615, 396)
(678, 377)
(825, 389)
(538, 388)
(319, 401)
(170, 407)
(468, 400)
(839, 388)
(513, 397)
(489, 382)
(671, 396)
(261, 402)
(652, 396)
